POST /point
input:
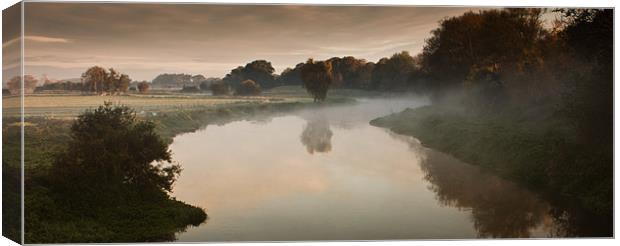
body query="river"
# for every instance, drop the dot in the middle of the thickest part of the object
(327, 174)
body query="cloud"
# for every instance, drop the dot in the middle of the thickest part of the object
(122, 61)
(139, 68)
(39, 39)
(44, 39)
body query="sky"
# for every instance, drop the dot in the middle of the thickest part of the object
(143, 40)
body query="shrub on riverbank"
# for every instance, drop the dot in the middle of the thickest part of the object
(92, 180)
(112, 152)
(248, 88)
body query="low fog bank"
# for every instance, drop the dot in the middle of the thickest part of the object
(363, 110)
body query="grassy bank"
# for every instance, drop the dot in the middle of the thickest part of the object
(50, 218)
(508, 148)
(70, 105)
(538, 152)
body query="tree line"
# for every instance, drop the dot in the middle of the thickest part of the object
(399, 72)
(179, 80)
(95, 79)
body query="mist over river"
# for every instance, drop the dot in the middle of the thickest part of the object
(327, 174)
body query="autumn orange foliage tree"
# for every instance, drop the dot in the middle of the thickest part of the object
(317, 78)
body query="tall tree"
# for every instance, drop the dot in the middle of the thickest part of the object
(348, 72)
(99, 80)
(291, 76)
(495, 44)
(123, 83)
(143, 87)
(394, 72)
(172, 80)
(260, 71)
(197, 79)
(317, 78)
(117, 82)
(15, 84)
(94, 79)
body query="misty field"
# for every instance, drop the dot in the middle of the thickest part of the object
(70, 105)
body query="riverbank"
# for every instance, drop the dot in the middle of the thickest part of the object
(531, 152)
(47, 219)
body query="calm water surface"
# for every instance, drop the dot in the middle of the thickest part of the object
(327, 174)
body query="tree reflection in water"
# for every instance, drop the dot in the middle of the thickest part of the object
(499, 208)
(317, 135)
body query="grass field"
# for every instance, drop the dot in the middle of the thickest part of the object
(70, 105)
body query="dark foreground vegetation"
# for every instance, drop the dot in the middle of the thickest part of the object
(104, 177)
(532, 104)
(11, 186)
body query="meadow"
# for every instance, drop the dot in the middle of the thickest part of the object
(70, 105)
